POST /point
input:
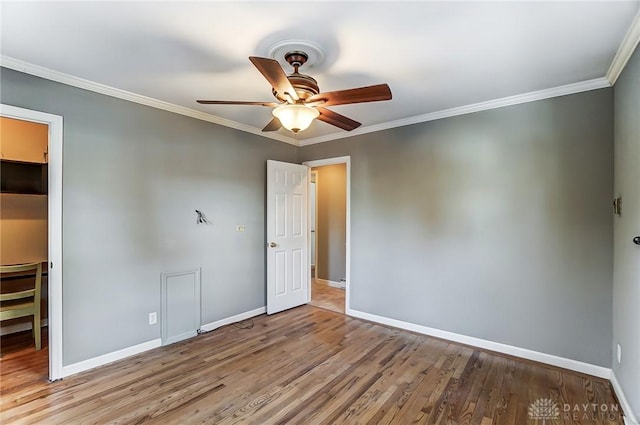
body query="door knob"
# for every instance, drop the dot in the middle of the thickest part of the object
(636, 240)
(273, 244)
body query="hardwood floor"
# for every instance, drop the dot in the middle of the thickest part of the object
(325, 296)
(305, 366)
(20, 363)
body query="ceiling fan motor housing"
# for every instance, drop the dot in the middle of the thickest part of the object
(305, 85)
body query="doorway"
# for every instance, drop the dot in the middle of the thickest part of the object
(53, 206)
(329, 233)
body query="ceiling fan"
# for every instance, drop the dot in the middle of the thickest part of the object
(299, 97)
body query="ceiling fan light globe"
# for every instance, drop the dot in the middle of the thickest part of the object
(295, 117)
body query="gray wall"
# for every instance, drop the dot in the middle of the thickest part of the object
(626, 282)
(331, 230)
(495, 225)
(133, 176)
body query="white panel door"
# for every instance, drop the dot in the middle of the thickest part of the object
(287, 236)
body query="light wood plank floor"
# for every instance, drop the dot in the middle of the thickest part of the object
(20, 363)
(325, 296)
(303, 366)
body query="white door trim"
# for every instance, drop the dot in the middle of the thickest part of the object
(332, 161)
(314, 175)
(55, 228)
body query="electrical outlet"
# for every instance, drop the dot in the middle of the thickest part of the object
(619, 353)
(241, 228)
(153, 318)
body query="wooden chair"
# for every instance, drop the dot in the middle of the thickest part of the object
(22, 303)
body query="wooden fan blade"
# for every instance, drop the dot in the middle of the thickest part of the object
(273, 125)
(359, 95)
(275, 75)
(234, 102)
(337, 119)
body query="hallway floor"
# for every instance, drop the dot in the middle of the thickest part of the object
(327, 297)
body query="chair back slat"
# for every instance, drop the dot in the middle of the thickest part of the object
(10, 309)
(20, 268)
(29, 293)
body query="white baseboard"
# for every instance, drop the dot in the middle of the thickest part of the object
(233, 319)
(109, 357)
(628, 421)
(332, 283)
(629, 416)
(146, 346)
(179, 337)
(20, 327)
(589, 369)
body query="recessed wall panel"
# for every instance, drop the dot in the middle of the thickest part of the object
(180, 316)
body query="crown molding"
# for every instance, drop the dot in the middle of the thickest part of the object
(625, 51)
(70, 80)
(38, 71)
(583, 86)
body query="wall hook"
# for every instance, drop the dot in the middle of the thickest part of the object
(201, 219)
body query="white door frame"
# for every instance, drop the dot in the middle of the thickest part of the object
(314, 175)
(332, 161)
(54, 200)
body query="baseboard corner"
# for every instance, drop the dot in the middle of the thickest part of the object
(332, 283)
(629, 416)
(101, 360)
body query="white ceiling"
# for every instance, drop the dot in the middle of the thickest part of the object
(434, 55)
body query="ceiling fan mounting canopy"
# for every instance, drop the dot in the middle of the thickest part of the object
(296, 58)
(300, 99)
